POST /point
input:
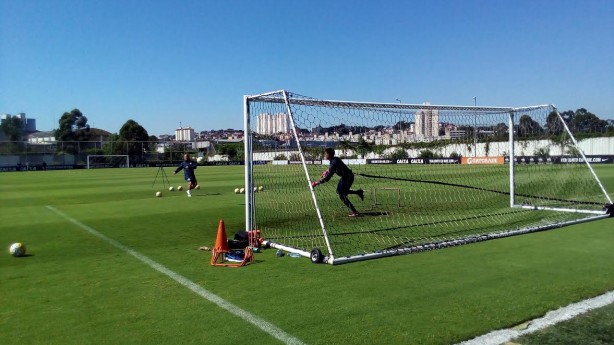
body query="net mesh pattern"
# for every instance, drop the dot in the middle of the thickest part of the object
(429, 173)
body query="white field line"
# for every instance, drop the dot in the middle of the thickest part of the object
(552, 317)
(265, 326)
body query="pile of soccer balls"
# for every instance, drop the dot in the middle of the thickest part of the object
(17, 249)
(172, 189)
(242, 190)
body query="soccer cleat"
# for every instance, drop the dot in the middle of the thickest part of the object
(189, 194)
(361, 194)
(354, 214)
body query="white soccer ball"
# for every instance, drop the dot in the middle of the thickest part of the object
(17, 249)
(171, 188)
(200, 160)
(255, 189)
(158, 194)
(237, 190)
(260, 188)
(242, 190)
(179, 188)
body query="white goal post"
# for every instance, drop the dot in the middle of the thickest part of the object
(108, 161)
(432, 176)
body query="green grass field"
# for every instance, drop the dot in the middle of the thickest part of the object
(78, 288)
(410, 205)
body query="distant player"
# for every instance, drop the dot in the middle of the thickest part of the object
(188, 167)
(345, 183)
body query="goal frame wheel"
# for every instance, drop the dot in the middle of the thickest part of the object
(316, 256)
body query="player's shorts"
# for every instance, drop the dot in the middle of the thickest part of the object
(344, 185)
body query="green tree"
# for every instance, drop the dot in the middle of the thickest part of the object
(527, 127)
(399, 153)
(487, 147)
(428, 154)
(345, 146)
(135, 139)
(132, 131)
(379, 150)
(73, 127)
(234, 151)
(501, 130)
(585, 121)
(543, 152)
(13, 128)
(553, 124)
(363, 147)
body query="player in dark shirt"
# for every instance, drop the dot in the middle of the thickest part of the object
(345, 183)
(188, 167)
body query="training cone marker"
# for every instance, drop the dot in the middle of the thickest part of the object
(221, 242)
(221, 248)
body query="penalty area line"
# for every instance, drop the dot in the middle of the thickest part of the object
(551, 318)
(265, 326)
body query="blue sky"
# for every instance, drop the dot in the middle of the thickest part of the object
(162, 63)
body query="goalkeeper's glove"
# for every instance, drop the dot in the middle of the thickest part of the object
(314, 183)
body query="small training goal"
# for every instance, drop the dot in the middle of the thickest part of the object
(108, 161)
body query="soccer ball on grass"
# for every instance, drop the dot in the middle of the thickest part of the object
(171, 188)
(158, 194)
(17, 249)
(236, 190)
(179, 188)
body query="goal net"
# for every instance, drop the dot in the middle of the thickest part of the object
(108, 161)
(433, 176)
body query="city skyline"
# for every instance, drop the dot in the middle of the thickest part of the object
(126, 62)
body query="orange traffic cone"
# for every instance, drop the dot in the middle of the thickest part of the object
(221, 247)
(221, 242)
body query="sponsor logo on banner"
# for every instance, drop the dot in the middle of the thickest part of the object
(483, 160)
(444, 161)
(308, 162)
(415, 161)
(380, 161)
(591, 159)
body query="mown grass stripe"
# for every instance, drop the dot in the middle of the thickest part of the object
(551, 318)
(265, 326)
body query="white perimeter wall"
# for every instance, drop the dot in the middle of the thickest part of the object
(591, 146)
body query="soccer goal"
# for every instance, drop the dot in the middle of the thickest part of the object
(108, 161)
(433, 176)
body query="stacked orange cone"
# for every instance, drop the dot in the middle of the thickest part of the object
(221, 247)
